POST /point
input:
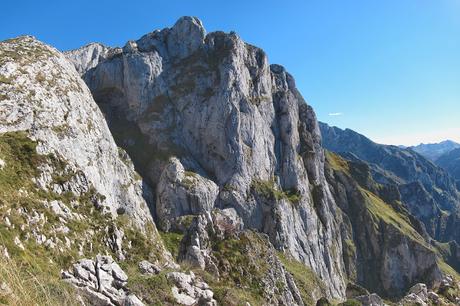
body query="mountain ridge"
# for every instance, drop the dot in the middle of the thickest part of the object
(434, 150)
(251, 209)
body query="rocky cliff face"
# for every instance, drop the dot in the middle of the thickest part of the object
(235, 178)
(66, 190)
(386, 252)
(229, 146)
(44, 96)
(243, 136)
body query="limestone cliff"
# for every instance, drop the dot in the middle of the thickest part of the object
(217, 131)
(66, 190)
(232, 171)
(232, 121)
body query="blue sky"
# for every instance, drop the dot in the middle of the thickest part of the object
(388, 69)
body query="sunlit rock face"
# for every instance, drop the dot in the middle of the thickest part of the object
(215, 103)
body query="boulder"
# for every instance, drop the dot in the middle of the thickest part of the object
(370, 300)
(101, 281)
(188, 290)
(148, 268)
(181, 193)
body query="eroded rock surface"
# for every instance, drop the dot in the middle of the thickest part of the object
(215, 103)
(101, 281)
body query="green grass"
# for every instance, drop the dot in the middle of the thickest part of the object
(306, 280)
(5, 80)
(153, 290)
(383, 211)
(35, 272)
(243, 265)
(336, 162)
(172, 242)
(269, 190)
(351, 302)
(34, 281)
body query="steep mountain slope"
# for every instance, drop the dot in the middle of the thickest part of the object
(237, 125)
(433, 151)
(426, 190)
(384, 244)
(450, 162)
(233, 154)
(248, 202)
(66, 191)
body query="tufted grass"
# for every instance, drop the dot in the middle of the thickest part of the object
(32, 277)
(269, 190)
(172, 242)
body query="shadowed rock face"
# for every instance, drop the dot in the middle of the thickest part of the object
(450, 161)
(385, 248)
(426, 190)
(214, 102)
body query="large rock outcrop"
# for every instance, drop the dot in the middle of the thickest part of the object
(42, 94)
(101, 282)
(66, 190)
(213, 101)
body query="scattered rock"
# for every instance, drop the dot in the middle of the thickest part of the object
(188, 290)
(434, 297)
(447, 282)
(101, 280)
(5, 290)
(4, 252)
(18, 243)
(420, 290)
(412, 299)
(148, 268)
(370, 300)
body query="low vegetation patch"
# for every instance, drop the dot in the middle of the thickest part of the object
(172, 242)
(33, 271)
(383, 211)
(306, 280)
(269, 190)
(336, 162)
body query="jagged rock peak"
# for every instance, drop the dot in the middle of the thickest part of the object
(88, 56)
(243, 133)
(186, 36)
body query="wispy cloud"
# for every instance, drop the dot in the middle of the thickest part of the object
(335, 114)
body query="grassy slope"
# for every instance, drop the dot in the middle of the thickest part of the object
(33, 274)
(385, 212)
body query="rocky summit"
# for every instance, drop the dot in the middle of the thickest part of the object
(184, 169)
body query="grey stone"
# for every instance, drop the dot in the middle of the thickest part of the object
(102, 281)
(148, 268)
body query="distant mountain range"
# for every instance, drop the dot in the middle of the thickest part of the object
(433, 151)
(451, 162)
(445, 154)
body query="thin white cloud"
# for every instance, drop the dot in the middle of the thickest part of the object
(335, 114)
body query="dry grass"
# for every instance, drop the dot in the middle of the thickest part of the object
(25, 288)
